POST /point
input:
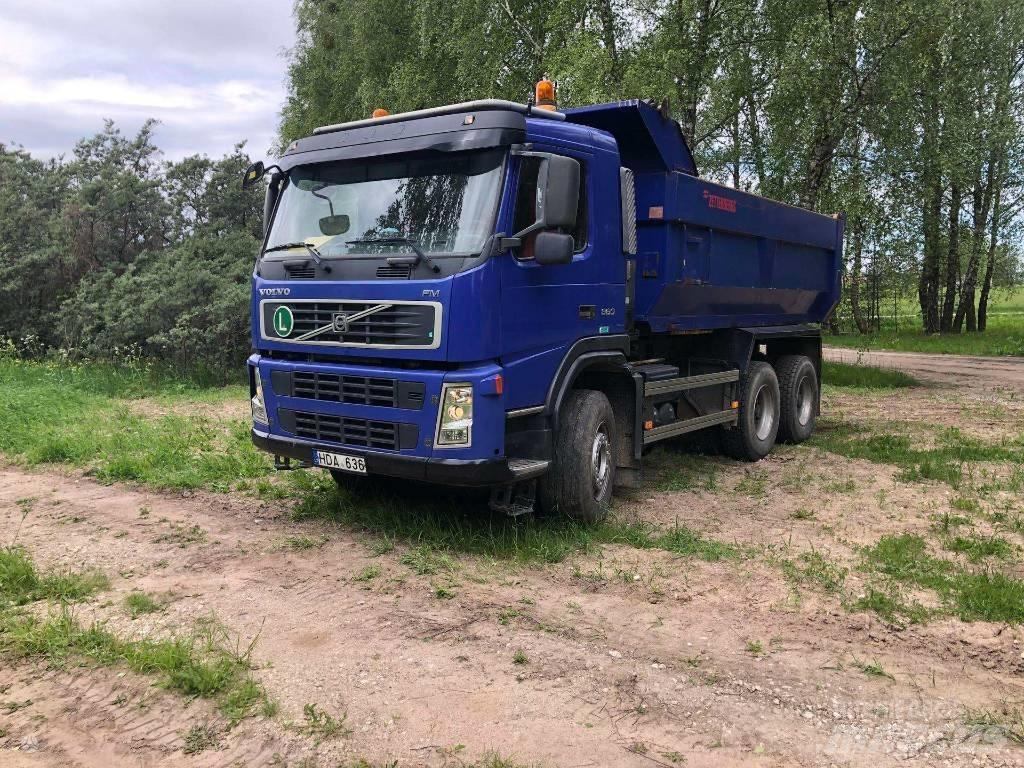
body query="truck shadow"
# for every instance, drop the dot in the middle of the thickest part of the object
(446, 518)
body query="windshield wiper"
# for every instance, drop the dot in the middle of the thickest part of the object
(317, 258)
(398, 240)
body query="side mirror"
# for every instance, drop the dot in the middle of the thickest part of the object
(335, 225)
(253, 174)
(550, 248)
(558, 192)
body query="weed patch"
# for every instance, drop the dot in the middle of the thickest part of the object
(21, 582)
(977, 548)
(139, 603)
(812, 568)
(944, 462)
(322, 724)
(971, 595)
(200, 738)
(865, 377)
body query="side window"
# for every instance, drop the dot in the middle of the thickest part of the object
(579, 234)
(526, 195)
(526, 205)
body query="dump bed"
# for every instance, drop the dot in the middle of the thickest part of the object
(710, 256)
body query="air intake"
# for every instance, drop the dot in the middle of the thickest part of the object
(394, 272)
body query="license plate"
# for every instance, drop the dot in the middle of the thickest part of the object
(340, 461)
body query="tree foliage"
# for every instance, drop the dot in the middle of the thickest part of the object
(115, 252)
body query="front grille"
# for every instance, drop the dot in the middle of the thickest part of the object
(349, 388)
(359, 390)
(324, 322)
(346, 430)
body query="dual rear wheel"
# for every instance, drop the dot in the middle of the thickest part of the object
(776, 404)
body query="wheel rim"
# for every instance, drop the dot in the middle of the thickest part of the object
(764, 412)
(601, 460)
(804, 401)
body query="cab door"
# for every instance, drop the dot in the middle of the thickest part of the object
(545, 309)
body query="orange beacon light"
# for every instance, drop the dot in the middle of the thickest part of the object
(545, 95)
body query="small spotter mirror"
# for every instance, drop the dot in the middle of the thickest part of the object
(253, 175)
(334, 225)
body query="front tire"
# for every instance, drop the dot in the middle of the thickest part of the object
(757, 425)
(582, 475)
(798, 386)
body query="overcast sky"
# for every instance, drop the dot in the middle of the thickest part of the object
(211, 71)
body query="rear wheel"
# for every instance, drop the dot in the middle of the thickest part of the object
(798, 388)
(580, 480)
(758, 419)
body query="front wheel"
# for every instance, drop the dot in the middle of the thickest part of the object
(579, 483)
(757, 426)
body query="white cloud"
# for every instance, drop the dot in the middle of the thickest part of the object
(212, 73)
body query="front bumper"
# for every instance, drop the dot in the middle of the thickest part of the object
(461, 472)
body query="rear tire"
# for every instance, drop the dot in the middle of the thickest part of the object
(798, 387)
(757, 426)
(580, 481)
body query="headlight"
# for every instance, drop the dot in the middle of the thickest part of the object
(455, 422)
(259, 408)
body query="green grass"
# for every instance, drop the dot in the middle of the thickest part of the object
(973, 595)
(81, 416)
(21, 582)
(193, 665)
(139, 603)
(814, 569)
(891, 607)
(322, 724)
(977, 548)
(865, 377)
(1003, 336)
(944, 462)
(201, 738)
(874, 669)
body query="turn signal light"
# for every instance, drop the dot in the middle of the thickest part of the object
(379, 112)
(545, 95)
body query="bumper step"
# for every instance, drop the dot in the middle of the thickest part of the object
(525, 469)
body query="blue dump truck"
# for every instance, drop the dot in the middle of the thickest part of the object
(514, 297)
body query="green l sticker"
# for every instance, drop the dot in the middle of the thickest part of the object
(283, 321)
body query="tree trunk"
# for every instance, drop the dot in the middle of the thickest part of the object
(982, 204)
(690, 93)
(931, 197)
(993, 241)
(952, 259)
(606, 16)
(855, 275)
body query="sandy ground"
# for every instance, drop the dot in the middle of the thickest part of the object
(635, 657)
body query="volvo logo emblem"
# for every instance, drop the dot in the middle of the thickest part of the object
(340, 322)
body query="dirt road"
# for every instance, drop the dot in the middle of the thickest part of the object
(630, 657)
(952, 370)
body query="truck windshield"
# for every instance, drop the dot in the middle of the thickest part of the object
(445, 204)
